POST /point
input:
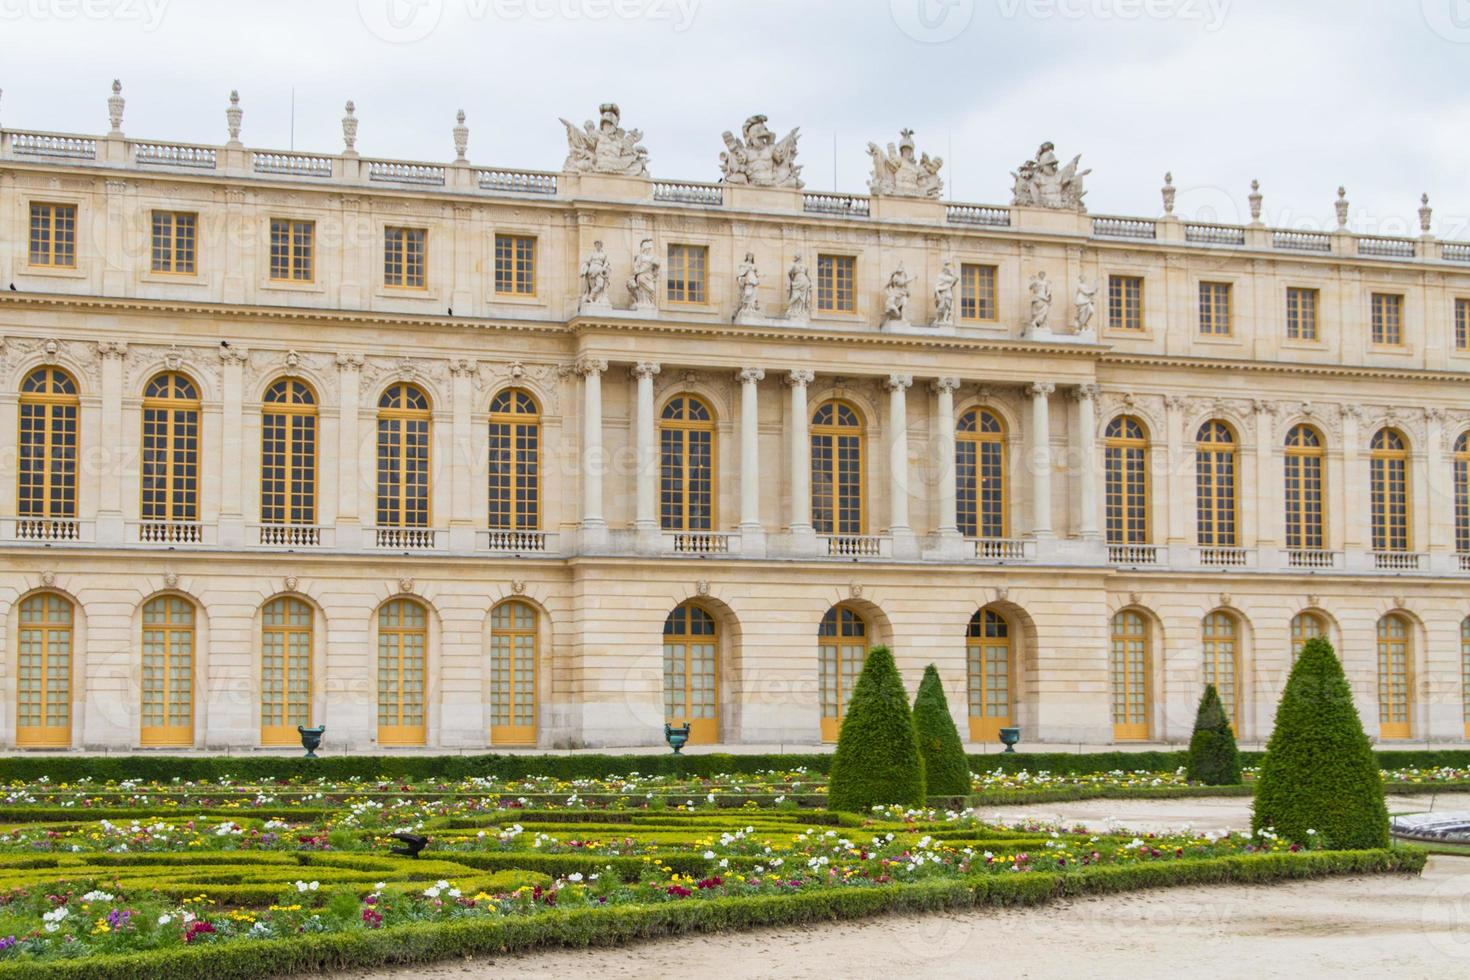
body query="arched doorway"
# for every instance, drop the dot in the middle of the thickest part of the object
(692, 671)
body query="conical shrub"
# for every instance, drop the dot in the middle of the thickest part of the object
(1213, 757)
(946, 768)
(1319, 773)
(877, 761)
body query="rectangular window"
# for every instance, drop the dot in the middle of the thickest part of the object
(1214, 309)
(1462, 324)
(403, 257)
(977, 292)
(836, 284)
(293, 247)
(1301, 313)
(515, 265)
(174, 237)
(54, 236)
(1388, 319)
(687, 265)
(1125, 302)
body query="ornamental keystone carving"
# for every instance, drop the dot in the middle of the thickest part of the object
(1135, 598)
(1041, 183)
(518, 586)
(854, 590)
(1225, 598)
(1002, 593)
(170, 580)
(701, 587)
(605, 147)
(898, 173)
(290, 583)
(405, 585)
(1314, 601)
(48, 578)
(759, 158)
(1400, 602)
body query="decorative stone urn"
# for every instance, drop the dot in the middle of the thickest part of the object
(676, 736)
(311, 739)
(1009, 737)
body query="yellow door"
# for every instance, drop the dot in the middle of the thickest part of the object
(1465, 671)
(691, 673)
(285, 670)
(990, 675)
(43, 673)
(1221, 663)
(1129, 667)
(1393, 678)
(403, 630)
(513, 674)
(168, 672)
(842, 646)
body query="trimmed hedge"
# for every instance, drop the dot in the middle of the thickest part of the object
(877, 759)
(582, 928)
(946, 769)
(1213, 758)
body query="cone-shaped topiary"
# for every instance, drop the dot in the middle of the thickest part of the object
(946, 768)
(1319, 773)
(1213, 758)
(877, 759)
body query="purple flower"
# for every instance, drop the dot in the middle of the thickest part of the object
(6, 943)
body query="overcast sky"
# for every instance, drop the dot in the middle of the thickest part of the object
(1302, 94)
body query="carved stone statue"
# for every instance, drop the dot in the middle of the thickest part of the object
(1040, 302)
(643, 283)
(798, 290)
(1042, 183)
(605, 147)
(896, 296)
(596, 272)
(899, 174)
(760, 159)
(1084, 303)
(944, 285)
(748, 281)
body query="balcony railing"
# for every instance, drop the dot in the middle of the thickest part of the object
(1135, 554)
(698, 542)
(1386, 248)
(1313, 558)
(515, 542)
(851, 205)
(1110, 227)
(1004, 549)
(1301, 241)
(516, 181)
(53, 145)
(389, 171)
(689, 192)
(174, 155)
(170, 532)
(1202, 233)
(978, 214)
(406, 538)
(291, 164)
(289, 535)
(857, 545)
(1463, 561)
(48, 529)
(1397, 561)
(1223, 557)
(1455, 252)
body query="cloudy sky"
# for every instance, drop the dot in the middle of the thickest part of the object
(1302, 94)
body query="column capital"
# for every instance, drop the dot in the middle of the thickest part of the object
(1263, 406)
(349, 362)
(645, 369)
(950, 385)
(1040, 389)
(1176, 403)
(233, 355)
(461, 368)
(1086, 392)
(898, 382)
(749, 376)
(586, 366)
(800, 378)
(112, 349)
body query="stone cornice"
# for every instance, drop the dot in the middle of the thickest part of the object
(1360, 371)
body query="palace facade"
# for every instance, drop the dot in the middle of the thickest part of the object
(460, 456)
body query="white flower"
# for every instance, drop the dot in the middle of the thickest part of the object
(96, 896)
(164, 919)
(709, 855)
(453, 893)
(575, 876)
(380, 886)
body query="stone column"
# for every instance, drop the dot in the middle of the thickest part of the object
(1437, 527)
(949, 524)
(1356, 518)
(110, 528)
(1040, 470)
(898, 465)
(1176, 491)
(594, 526)
(461, 457)
(232, 461)
(349, 451)
(801, 454)
(752, 537)
(646, 509)
(1269, 495)
(1085, 448)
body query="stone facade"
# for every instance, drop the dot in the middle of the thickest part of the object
(602, 568)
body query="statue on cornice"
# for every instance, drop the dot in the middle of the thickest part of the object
(643, 283)
(944, 285)
(798, 290)
(596, 272)
(1084, 305)
(1040, 288)
(605, 147)
(896, 296)
(1042, 183)
(759, 158)
(748, 279)
(898, 174)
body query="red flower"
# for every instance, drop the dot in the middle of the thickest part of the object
(371, 918)
(678, 891)
(196, 928)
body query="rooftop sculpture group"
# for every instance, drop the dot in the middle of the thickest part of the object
(759, 158)
(1041, 183)
(899, 174)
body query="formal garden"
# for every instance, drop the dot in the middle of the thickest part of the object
(150, 867)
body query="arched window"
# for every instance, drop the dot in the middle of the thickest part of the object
(1388, 469)
(1221, 648)
(403, 457)
(842, 646)
(980, 475)
(44, 672)
(692, 671)
(1215, 485)
(837, 469)
(515, 462)
(168, 671)
(1125, 475)
(990, 672)
(288, 447)
(1462, 493)
(1129, 665)
(686, 445)
(1465, 670)
(46, 491)
(1305, 626)
(403, 641)
(170, 453)
(513, 674)
(285, 670)
(1304, 489)
(1395, 677)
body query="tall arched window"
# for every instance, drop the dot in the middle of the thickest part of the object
(1129, 665)
(1220, 646)
(515, 462)
(403, 641)
(692, 671)
(1388, 469)
(288, 447)
(1304, 489)
(1215, 484)
(170, 453)
(513, 673)
(1125, 475)
(990, 674)
(46, 491)
(837, 469)
(1305, 626)
(842, 646)
(403, 457)
(686, 445)
(1465, 671)
(285, 670)
(168, 671)
(1395, 677)
(980, 475)
(1462, 493)
(43, 675)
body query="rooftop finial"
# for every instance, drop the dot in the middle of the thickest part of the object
(461, 137)
(1342, 207)
(349, 129)
(1425, 214)
(115, 103)
(1255, 202)
(233, 115)
(1168, 192)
